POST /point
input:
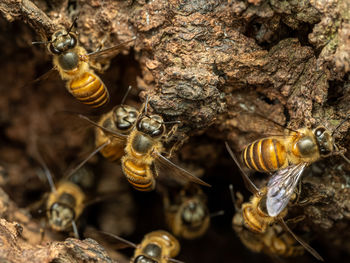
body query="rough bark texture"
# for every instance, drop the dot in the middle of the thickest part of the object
(217, 66)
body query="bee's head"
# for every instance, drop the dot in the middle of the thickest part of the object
(324, 141)
(61, 41)
(152, 125)
(60, 216)
(125, 117)
(193, 213)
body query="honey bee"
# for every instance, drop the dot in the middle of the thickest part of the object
(74, 65)
(254, 216)
(143, 153)
(287, 157)
(188, 215)
(143, 140)
(68, 198)
(112, 130)
(273, 241)
(156, 247)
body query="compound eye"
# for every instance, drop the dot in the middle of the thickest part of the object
(54, 50)
(143, 259)
(73, 41)
(319, 131)
(152, 126)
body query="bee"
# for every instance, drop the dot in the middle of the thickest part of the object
(120, 119)
(253, 215)
(143, 153)
(287, 157)
(156, 247)
(187, 215)
(273, 241)
(74, 65)
(68, 198)
(142, 156)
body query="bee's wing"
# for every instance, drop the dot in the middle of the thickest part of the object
(42, 77)
(108, 52)
(115, 134)
(247, 181)
(112, 240)
(281, 186)
(174, 170)
(301, 242)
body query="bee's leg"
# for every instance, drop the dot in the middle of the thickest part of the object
(295, 220)
(298, 192)
(75, 230)
(42, 231)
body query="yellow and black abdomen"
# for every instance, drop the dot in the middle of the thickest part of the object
(89, 89)
(265, 155)
(139, 175)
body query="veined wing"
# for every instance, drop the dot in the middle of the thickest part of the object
(115, 134)
(247, 181)
(174, 170)
(281, 186)
(108, 52)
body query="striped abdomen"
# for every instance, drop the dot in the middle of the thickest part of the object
(113, 151)
(252, 220)
(141, 177)
(89, 89)
(265, 155)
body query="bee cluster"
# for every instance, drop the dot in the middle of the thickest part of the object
(143, 142)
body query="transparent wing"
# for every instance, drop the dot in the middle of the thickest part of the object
(247, 181)
(115, 134)
(108, 52)
(301, 242)
(174, 170)
(281, 186)
(43, 77)
(108, 239)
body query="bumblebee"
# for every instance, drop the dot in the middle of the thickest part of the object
(187, 215)
(253, 215)
(74, 65)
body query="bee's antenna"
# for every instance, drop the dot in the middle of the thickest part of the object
(146, 105)
(46, 171)
(41, 42)
(126, 95)
(171, 122)
(233, 198)
(217, 213)
(340, 124)
(72, 25)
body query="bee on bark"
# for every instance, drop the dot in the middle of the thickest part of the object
(186, 213)
(156, 247)
(144, 138)
(143, 153)
(74, 65)
(112, 129)
(286, 157)
(273, 241)
(67, 199)
(254, 215)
